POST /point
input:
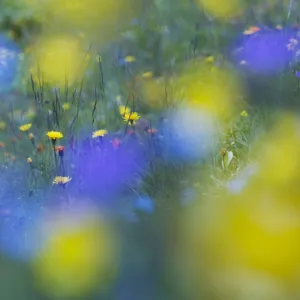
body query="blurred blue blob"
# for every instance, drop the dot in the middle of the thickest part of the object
(9, 63)
(144, 204)
(266, 52)
(186, 137)
(106, 171)
(18, 221)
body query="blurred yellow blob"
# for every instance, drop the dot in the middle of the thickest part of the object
(222, 9)
(77, 256)
(249, 243)
(57, 60)
(213, 89)
(97, 18)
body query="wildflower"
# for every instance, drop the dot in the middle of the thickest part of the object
(31, 136)
(152, 131)
(131, 118)
(209, 59)
(29, 160)
(66, 106)
(147, 75)
(251, 30)
(99, 133)
(129, 59)
(244, 114)
(61, 180)
(292, 44)
(60, 150)
(54, 135)
(124, 110)
(2, 125)
(223, 151)
(25, 127)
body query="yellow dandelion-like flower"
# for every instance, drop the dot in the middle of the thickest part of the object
(66, 106)
(99, 133)
(129, 59)
(131, 118)
(54, 135)
(2, 125)
(61, 180)
(25, 127)
(29, 160)
(147, 75)
(244, 114)
(124, 110)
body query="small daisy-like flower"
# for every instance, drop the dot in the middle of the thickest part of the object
(61, 180)
(251, 30)
(99, 133)
(147, 75)
(29, 160)
(54, 135)
(124, 110)
(244, 114)
(131, 118)
(66, 106)
(129, 59)
(25, 127)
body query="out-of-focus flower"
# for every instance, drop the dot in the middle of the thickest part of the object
(61, 180)
(66, 106)
(60, 149)
(99, 133)
(223, 10)
(244, 114)
(129, 59)
(251, 30)
(57, 60)
(131, 117)
(266, 52)
(124, 110)
(31, 136)
(29, 160)
(25, 127)
(9, 63)
(53, 135)
(77, 255)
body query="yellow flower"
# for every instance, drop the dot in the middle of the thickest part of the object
(25, 127)
(66, 106)
(244, 114)
(2, 125)
(29, 160)
(54, 135)
(129, 59)
(147, 75)
(76, 255)
(124, 110)
(99, 133)
(61, 180)
(131, 118)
